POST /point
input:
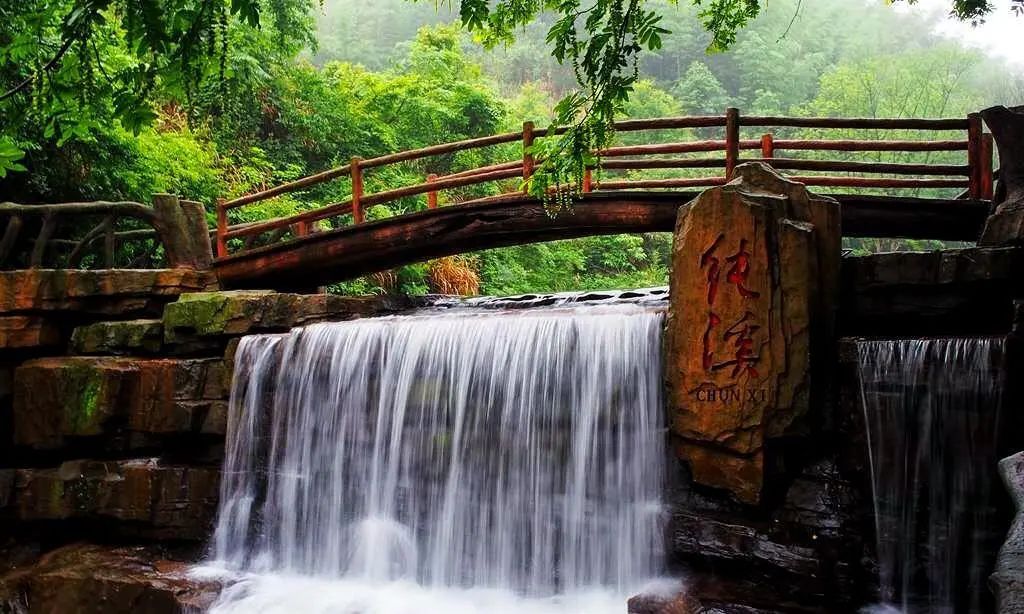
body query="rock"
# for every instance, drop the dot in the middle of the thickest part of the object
(820, 502)
(119, 292)
(55, 398)
(680, 603)
(18, 332)
(143, 496)
(1006, 224)
(702, 537)
(938, 293)
(740, 475)
(119, 337)
(91, 579)
(1008, 580)
(754, 293)
(232, 313)
(6, 487)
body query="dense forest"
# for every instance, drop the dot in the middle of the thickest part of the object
(366, 78)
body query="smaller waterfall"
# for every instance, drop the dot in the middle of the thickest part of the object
(472, 461)
(931, 409)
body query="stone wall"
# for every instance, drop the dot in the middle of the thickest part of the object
(114, 389)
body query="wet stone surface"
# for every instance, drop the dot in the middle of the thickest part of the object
(94, 579)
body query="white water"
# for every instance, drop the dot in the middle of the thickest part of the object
(467, 462)
(931, 408)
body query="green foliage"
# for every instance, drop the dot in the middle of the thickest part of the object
(9, 156)
(700, 92)
(69, 65)
(123, 115)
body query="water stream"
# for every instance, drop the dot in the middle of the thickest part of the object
(931, 410)
(472, 461)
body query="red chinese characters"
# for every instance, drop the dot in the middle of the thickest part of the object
(740, 335)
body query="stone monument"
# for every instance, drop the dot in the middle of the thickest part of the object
(754, 285)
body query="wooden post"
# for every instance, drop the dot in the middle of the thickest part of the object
(974, 132)
(528, 160)
(987, 181)
(357, 190)
(767, 146)
(198, 232)
(45, 234)
(109, 241)
(173, 228)
(431, 196)
(588, 181)
(10, 238)
(732, 140)
(301, 229)
(222, 228)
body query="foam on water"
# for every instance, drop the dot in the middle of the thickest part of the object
(496, 462)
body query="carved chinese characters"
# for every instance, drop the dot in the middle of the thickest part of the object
(753, 280)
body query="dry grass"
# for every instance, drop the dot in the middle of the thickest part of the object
(453, 275)
(386, 280)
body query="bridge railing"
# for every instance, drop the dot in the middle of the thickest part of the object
(105, 235)
(803, 159)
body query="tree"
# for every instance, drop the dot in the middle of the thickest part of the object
(69, 64)
(51, 56)
(700, 91)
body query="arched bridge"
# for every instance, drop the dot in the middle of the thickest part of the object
(294, 251)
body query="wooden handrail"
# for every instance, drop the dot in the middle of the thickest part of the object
(123, 208)
(681, 182)
(655, 163)
(853, 123)
(977, 171)
(373, 199)
(178, 225)
(892, 168)
(673, 148)
(864, 145)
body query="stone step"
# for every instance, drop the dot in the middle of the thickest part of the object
(205, 315)
(77, 396)
(145, 497)
(119, 337)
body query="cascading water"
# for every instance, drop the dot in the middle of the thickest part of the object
(931, 408)
(462, 462)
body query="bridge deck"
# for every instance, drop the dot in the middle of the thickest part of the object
(357, 250)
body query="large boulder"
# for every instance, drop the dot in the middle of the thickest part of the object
(1008, 579)
(655, 603)
(57, 398)
(1006, 224)
(754, 293)
(92, 579)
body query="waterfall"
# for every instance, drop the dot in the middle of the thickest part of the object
(931, 410)
(464, 460)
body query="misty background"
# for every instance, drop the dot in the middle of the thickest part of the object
(776, 66)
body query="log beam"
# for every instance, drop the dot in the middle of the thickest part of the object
(350, 252)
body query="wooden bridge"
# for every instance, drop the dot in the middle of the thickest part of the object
(291, 252)
(337, 242)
